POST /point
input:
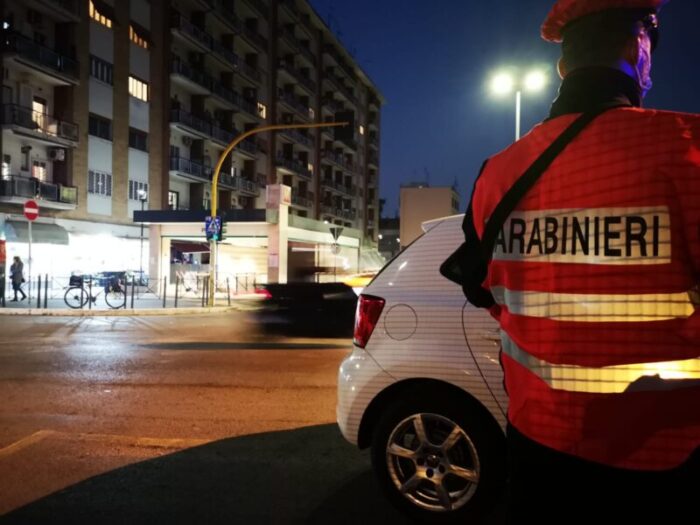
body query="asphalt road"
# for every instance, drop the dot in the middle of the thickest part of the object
(174, 420)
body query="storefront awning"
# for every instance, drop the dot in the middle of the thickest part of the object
(18, 231)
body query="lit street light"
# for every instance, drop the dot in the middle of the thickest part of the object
(504, 83)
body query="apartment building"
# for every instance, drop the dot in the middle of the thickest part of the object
(418, 203)
(113, 107)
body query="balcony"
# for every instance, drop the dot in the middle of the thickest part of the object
(331, 51)
(373, 140)
(255, 38)
(260, 6)
(288, 33)
(196, 80)
(334, 105)
(249, 146)
(37, 125)
(305, 200)
(299, 137)
(261, 180)
(221, 135)
(227, 14)
(338, 186)
(338, 160)
(56, 68)
(248, 186)
(188, 120)
(340, 86)
(190, 169)
(303, 80)
(374, 102)
(373, 158)
(16, 189)
(189, 31)
(251, 107)
(295, 166)
(303, 110)
(227, 54)
(348, 215)
(229, 96)
(228, 181)
(61, 10)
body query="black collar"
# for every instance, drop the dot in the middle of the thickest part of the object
(588, 88)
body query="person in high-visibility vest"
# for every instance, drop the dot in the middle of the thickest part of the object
(594, 279)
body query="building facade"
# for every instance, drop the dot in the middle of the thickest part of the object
(113, 107)
(419, 203)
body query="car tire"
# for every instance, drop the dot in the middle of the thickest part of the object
(479, 449)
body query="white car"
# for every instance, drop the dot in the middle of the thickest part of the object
(423, 386)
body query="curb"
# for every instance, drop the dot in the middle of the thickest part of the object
(144, 312)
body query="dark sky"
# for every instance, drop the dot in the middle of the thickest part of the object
(431, 59)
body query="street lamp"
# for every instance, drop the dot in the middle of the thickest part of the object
(143, 197)
(504, 83)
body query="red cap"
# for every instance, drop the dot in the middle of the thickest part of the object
(566, 11)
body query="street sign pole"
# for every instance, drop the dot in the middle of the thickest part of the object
(220, 163)
(29, 265)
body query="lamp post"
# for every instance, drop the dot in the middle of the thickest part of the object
(505, 82)
(143, 197)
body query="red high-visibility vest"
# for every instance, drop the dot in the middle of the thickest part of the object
(595, 277)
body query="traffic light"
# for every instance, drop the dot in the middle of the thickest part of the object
(345, 133)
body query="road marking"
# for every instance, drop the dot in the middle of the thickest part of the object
(25, 442)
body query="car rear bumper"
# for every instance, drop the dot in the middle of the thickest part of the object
(360, 379)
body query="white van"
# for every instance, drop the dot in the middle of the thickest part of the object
(423, 386)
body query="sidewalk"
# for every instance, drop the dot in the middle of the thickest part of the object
(142, 306)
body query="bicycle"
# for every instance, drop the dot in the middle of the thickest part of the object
(78, 295)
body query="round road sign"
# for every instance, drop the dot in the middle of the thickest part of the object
(31, 210)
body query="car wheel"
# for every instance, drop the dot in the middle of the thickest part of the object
(439, 460)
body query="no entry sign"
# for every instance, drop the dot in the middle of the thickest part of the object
(31, 210)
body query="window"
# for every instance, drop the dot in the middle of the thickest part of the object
(362, 130)
(6, 165)
(99, 17)
(135, 189)
(138, 139)
(39, 170)
(99, 183)
(262, 110)
(101, 70)
(100, 127)
(138, 89)
(173, 200)
(137, 38)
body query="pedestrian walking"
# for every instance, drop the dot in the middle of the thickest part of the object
(17, 278)
(583, 241)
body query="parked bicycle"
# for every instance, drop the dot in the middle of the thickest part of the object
(79, 294)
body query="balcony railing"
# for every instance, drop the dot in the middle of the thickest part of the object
(179, 22)
(339, 160)
(296, 166)
(304, 200)
(31, 188)
(222, 135)
(256, 38)
(302, 109)
(248, 186)
(373, 140)
(339, 186)
(302, 79)
(261, 180)
(299, 137)
(339, 83)
(229, 15)
(373, 158)
(348, 215)
(228, 180)
(261, 6)
(249, 145)
(190, 167)
(225, 93)
(226, 53)
(331, 51)
(288, 33)
(39, 122)
(178, 67)
(180, 116)
(250, 107)
(40, 55)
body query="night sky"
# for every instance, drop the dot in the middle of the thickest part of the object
(433, 64)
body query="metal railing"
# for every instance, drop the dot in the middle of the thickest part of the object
(222, 135)
(305, 201)
(179, 67)
(340, 85)
(41, 55)
(179, 22)
(294, 165)
(302, 79)
(249, 145)
(31, 188)
(299, 137)
(190, 167)
(36, 121)
(256, 38)
(248, 186)
(261, 7)
(373, 158)
(226, 94)
(288, 33)
(338, 160)
(180, 116)
(333, 53)
(302, 109)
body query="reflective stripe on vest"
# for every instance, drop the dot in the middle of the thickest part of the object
(596, 308)
(604, 380)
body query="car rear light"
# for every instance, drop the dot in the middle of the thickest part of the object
(264, 293)
(369, 308)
